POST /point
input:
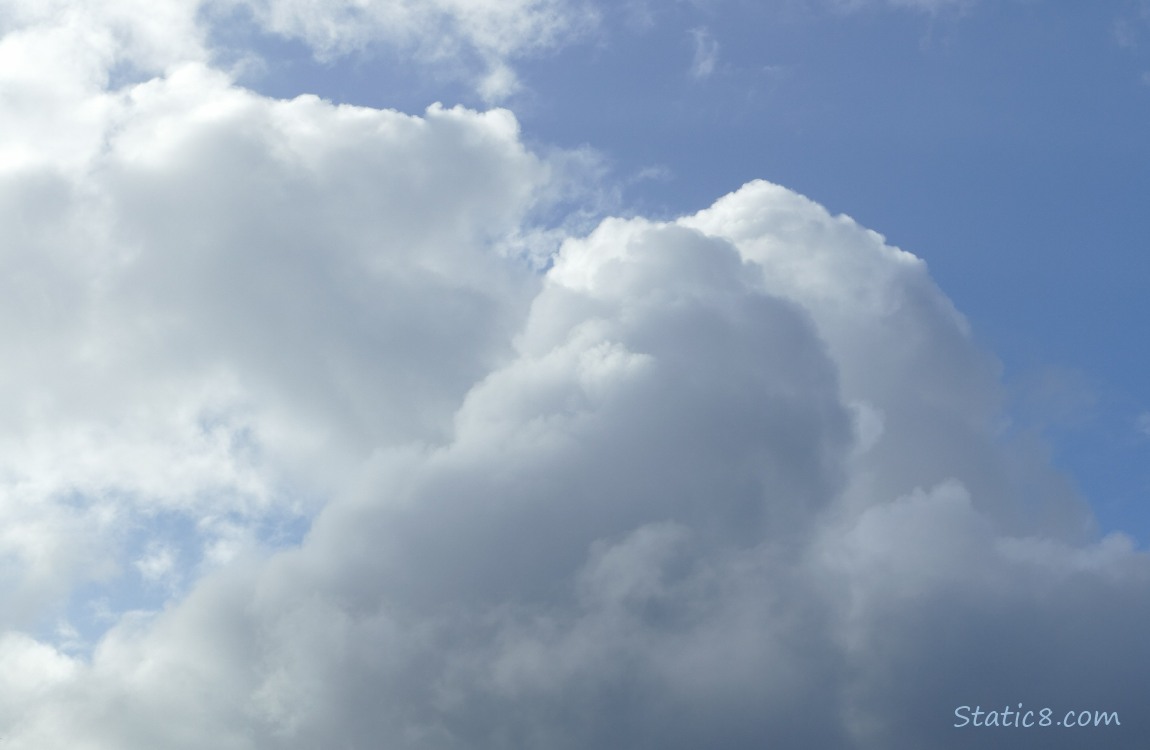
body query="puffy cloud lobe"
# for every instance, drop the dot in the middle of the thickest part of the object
(231, 287)
(637, 533)
(634, 522)
(147, 35)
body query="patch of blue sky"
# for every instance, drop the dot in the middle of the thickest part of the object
(161, 557)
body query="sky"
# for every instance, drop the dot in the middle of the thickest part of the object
(437, 374)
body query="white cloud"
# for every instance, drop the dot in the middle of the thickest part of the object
(476, 40)
(1128, 28)
(144, 272)
(925, 6)
(731, 480)
(706, 53)
(1125, 34)
(500, 27)
(495, 32)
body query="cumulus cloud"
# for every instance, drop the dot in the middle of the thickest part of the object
(732, 480)
(102, 34)
(145, 268)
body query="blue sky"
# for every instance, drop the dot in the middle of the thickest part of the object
(1002, 142)
(476, 374)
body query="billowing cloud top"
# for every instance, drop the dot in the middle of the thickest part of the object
(734, 480)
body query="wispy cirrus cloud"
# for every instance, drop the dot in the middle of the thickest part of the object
(479, 42)
(706, 54)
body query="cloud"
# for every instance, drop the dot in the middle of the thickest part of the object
(730, 480)
(100, 35)
(146, 266)
(925, 6)
(495, 32)
(1127, 29)
(706, 53)
(476, 41)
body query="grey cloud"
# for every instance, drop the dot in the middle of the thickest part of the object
(642, 533)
